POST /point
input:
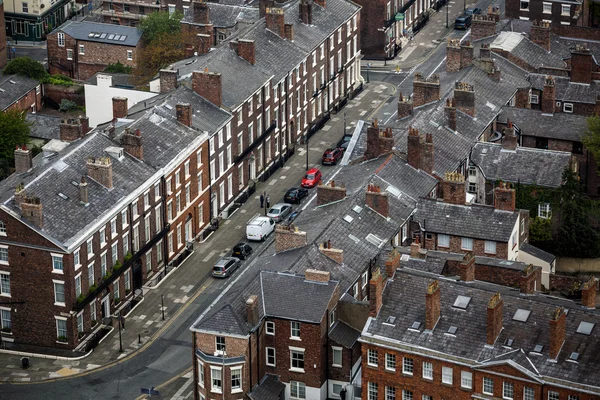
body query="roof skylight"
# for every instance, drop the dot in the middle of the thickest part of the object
(521, 315)
(348, 218)
(585, 328)
(462, 302)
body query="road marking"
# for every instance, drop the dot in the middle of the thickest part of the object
(392, 116)
(179, 394)
(209, 256)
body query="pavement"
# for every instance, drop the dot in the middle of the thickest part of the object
(186, 291)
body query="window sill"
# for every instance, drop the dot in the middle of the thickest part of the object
(5, 294)
(447, 384)
(295, 338)
(6, 263)
(390, 370)
(237, 391)
(373, 365)
(336, 365)
(296, 370)
(427, 379)
(216, 391)
(407, 374)
(59, 342)
(54, 271)
(466, 389)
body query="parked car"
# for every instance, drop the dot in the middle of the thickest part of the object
(259, 228)
(462, 22)
(331, 156)
(279, 211)
(312, 178)
(225, 267)
(439, 4)
(342, 145)
(295, 195)
(472, 10)
(242, 251)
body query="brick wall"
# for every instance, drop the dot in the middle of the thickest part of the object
(372, 16)
(28, 100)
(73, 93)
(2, 37)
(478, 247)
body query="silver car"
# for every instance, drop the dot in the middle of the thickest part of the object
(225, 267)
(279, 211)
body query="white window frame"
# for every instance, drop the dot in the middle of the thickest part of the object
(4, 277)
(270, 353)
(339, 352)
(213, 387)
(552, 395)
(408, 365)
(54, 285)
(295, 330)
(239, 388)
(508, 390)
(390, 362)
(295, 386)
(61, 39)
(365, 279)
(447, 375)
(81, 49)
(544, 210)
(270, 328)
(296, 351)
(521, 2)
(55, 258)
(427, 370)
(372, 358)
(372, 391)
(466, 379)
(443, 240)
(487, 385)
(534, 99)
(2, 228)
(201, 378)
(58, 331)
(69, 54)
(528, 393)
(5, 323)
(490, 247)
(566, 7)
(4, 256)
(568, 107)
(466, 243)
(545, 6)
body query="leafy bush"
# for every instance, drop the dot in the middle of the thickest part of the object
(117, 265)
(26, 66)
(127, 256)
(58, 80)
(62, 339)
(67, 105)
(118, 68)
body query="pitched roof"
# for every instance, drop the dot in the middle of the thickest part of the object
(474, 221)
(526, 165)
(13, 87)
(538, 253)
(44, 126)
(521, 47)
(269, 388)
(120, 35)
(344, 334)
(567, 91)
(406, 293)
(559, 125)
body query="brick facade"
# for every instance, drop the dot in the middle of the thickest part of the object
(2, 37)
(95, 58)
(30, 101)
(535, 12)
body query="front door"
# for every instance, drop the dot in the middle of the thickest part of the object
(106, 307)
(252, 168)
(137, 275)
(215, 206)
(188, 230)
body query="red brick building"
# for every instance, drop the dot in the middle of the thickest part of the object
(113, 188)
(556, 12)
(79, 49)
(2, 36)
(458, 341)
(20, 93)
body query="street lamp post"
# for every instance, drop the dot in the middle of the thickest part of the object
(465, 5)
(162, 306)
(120, 341)
(306, 141)
(368, 67)
(446, 15)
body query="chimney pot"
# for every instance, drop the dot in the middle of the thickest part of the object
(337, 255)
(464, 97)
(132, 144)
(275, 20)
(453, 187)
(467, 267)
(425, 90)
(100, 170)
(306, 12)
(315, 275)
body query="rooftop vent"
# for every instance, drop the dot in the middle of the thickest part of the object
(357, 209)
(13, 82)
(60, 165)
(574, 356)
(538, 348)
(415, 326)
(348, 218)
(356, 240)
(75, 183)
(103, 36)
(585, 328)
(97, 35)
(509, 342)
(63, 196)
(452, 330)
(391, 320)
(91, 34)
(374, 240)
(461, 302)
(404, 257)
(521, 315)
(111, 36)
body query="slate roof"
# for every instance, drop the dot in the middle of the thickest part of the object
(526, 165)
(270, 388)
(344, 334)
(81, 30)
(226, 16)
(13, 87)
(474, 221)
(404, 297)
(125, 81)
(163, 139)
(568, 91)
(521, 47)
(566, 44)
(43, 126)
(559, 125)
(538, 253)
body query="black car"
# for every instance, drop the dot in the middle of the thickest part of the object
(295, 195)
(242, 250)
(462, 22)
(472, 11)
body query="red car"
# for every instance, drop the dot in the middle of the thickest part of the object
(312, 178)
(332, 156)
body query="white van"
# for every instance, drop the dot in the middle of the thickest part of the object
(259, 228)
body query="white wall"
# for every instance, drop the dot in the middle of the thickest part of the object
(514, 252)
(546, 267)
(98, 99)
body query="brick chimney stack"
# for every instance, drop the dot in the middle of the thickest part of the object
(252, 310)
(379, 141)
(413, 151)
(453, 187)
(425, 91)
(485, 52)
(23, 159)
(275, 21)
(263, 5)
(83, 191)
(464, 96)
(31, 211)
(337, 255)
(494, 319)
(201, 12)
(306, 11)
(289, 31)
(168, 80)
(427, 160)
(203, 43)
(377, 201)
(483, 26)
(119, 105)
(453, 54)
(466, 54)
(132, 144)
(405, 106)
(540, 34)
(184, 113)
(330, 193)
(433, 305)
(558, 325)
(450, 112)
(314, 275)
(588, 293)
(505, 197)
(100, 170)
(582, 65)
(288, 237)
(246, 50)
(494, 12)
(549, 96)
(208, 85)
(73, 128)
(393, 262)
(531, 278)
(376, 286)
(466, 268)
(509, 139)
(415, 248)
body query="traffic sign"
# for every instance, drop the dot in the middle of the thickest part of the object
(400, 17)
(150, 391)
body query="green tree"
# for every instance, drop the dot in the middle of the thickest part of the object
(158, 24)
(117, 68)
(26, 66)
(15, 131)
(540, 233)
(591, 138)
(577, 223)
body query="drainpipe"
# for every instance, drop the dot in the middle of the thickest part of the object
(165, 244)
(327, 351)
